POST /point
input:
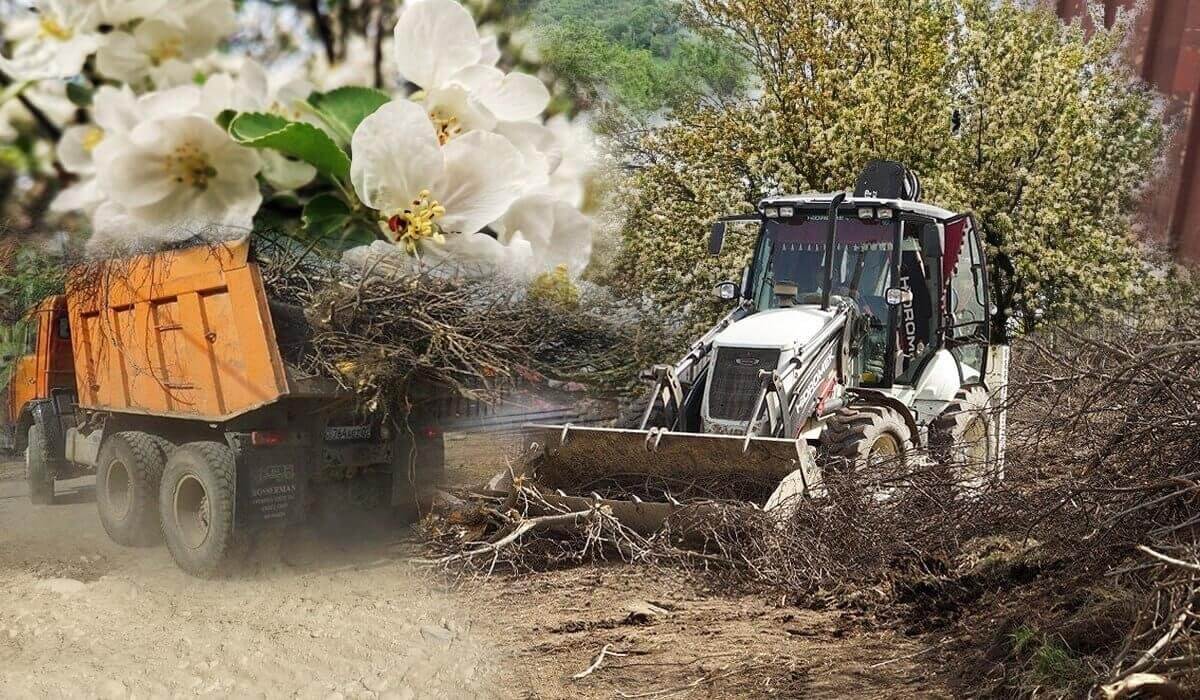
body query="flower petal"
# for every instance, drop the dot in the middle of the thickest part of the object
(538, 145)
(115, 110)
(78, 197)
(435, 39)
(511, 97)
(73, 151)
(457, 102)
(396, 155)
(120, 58)
(131, 181)
(284, 173)
(481, 181)
(489, 49)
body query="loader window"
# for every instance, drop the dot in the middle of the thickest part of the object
(966, 301)
(795, 252)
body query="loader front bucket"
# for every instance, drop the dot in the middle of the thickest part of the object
(648, 476)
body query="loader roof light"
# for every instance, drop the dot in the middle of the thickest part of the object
(787, 212)
(771, 212)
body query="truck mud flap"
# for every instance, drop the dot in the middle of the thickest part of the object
(271, 488)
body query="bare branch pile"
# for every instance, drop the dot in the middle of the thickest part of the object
(1080, 568)
(391, 336)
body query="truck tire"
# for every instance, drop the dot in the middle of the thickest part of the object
(859, 437)
(128, 470)
(196, 504)
(962, 438)
(38, 472)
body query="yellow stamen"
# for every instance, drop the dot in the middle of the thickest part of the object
(50, 27)
(92, 138)
(411, 225)
(447, 127)
(166, 50)
(188, 165)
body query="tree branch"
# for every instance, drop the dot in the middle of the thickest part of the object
(323, 29)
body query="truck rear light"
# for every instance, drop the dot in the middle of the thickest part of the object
(267, 438)
(430, 431)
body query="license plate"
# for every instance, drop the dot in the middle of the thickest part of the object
(343, 433)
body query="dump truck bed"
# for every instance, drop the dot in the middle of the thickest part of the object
(183, 333)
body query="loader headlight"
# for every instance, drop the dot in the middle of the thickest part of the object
(726, 291)
(771, 212)
(885, 213)
(866, 213)
(787, 212)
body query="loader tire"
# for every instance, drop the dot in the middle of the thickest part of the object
(128, 471)
(962, 438)
(38, 472)
(196, 505)
(858, 438)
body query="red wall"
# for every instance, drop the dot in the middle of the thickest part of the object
(1166, 51)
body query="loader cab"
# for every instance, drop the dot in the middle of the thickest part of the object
(914, 274)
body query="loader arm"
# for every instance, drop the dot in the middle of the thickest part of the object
(799, 385)
(668, 393)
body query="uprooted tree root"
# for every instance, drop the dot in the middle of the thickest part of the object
(1080, 570)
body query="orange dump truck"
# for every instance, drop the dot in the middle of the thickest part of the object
(164, 375)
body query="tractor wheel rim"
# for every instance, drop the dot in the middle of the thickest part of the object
(118, 489)
(192, 511)
(886, 448)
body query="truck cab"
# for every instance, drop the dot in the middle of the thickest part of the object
(45, 368)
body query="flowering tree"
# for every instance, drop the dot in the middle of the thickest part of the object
(163, 135)
(1036, 126)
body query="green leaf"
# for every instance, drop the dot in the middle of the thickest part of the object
(296, 139)
(328, 217)
(325, 214)
(225, 118)
(345, 108)
(79, 94)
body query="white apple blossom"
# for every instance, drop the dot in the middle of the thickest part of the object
(439, 49)
(118, 13)
(555, 231)
(173, 172)
(423, 189)
(162, 46)
(282, 91)
(52, 40)
(114, 113)
(580, 158)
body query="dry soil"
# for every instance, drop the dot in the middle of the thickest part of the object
(320, 614)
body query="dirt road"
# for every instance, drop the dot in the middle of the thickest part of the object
(347, 616)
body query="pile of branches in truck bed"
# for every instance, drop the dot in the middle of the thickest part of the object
(1080, 568)
(390, 333)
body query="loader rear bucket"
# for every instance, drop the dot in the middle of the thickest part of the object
(648, 476)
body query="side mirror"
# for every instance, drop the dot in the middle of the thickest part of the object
(716, 238)
(726, 291)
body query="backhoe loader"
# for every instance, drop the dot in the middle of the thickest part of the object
(860, 333)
